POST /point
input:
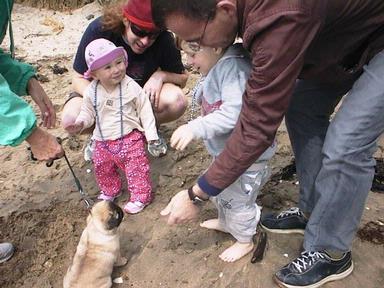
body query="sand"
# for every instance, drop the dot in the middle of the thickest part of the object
(41, 211)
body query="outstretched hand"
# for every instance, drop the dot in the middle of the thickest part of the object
(181, 137)
(48, 114)
(180, 209)
(75, 127)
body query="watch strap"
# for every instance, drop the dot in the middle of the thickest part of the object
(193, 197)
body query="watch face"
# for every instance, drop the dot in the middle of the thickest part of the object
(198, 199)
(194, 198)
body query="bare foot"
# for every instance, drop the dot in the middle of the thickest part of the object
(213, 224)
(236, 251)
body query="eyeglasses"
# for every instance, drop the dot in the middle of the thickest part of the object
(143, 33)
(195, 46)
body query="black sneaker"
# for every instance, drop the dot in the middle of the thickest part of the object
(313, 269)
(288, 221)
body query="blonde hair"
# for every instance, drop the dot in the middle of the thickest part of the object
(182, 45)
(112, 19)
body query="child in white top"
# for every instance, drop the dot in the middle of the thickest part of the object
(124, 122)
(225, 73)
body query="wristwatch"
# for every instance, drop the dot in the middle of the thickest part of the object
(194, 198)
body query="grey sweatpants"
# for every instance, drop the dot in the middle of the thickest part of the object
(238, 213)
(334, 159)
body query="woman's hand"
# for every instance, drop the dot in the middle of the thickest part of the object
(181, 137)
(153, 88)
(48, 114)
(44, 146)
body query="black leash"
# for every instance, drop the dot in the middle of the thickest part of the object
(84, 196)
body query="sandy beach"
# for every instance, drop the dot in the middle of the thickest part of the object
(42, 215)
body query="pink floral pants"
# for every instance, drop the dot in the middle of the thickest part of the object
(129, 155)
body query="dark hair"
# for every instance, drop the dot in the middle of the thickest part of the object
(193, 9)
(112, 19)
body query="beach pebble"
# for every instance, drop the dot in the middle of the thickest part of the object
(118, 280)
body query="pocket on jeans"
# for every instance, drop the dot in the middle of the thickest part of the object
(253, 180)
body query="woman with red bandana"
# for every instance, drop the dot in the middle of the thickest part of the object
(154, 61)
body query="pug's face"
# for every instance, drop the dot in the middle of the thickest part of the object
(107, 214)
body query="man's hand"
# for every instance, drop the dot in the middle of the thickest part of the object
(181, 137)
(48, 114)
(180, 209)
(44, 146)
(153, 88)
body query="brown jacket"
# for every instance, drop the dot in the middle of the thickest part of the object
(323, 40)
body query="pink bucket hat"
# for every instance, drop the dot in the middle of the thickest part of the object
(100, 52)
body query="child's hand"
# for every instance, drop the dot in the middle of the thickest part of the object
(181, 137)
(157, 148)
(75, 128)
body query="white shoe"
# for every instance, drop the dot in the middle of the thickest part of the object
(88, 150)
(134, 207)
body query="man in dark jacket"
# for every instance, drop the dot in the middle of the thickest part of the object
(306, 54)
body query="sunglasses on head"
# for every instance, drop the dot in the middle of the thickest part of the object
(143, 33)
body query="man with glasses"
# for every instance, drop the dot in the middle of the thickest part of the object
(153, 60)
(305, 55)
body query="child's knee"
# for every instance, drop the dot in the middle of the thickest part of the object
(67, 120)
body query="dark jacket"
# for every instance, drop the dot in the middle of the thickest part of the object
(325, 41)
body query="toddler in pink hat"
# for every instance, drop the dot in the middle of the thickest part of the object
(101, 52)
(124, 122)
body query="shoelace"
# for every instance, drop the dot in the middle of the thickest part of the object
(289, 212)
(306, 260)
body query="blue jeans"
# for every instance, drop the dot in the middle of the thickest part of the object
(334, 158)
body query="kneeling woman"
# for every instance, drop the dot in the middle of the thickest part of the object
(154, 61)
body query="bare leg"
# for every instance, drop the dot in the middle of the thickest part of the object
(236, 251)
(213, 224)
(70, 112)
(172, 104)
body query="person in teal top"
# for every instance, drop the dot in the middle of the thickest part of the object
(18, 122)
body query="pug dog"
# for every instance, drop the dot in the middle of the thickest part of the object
(98, 250)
